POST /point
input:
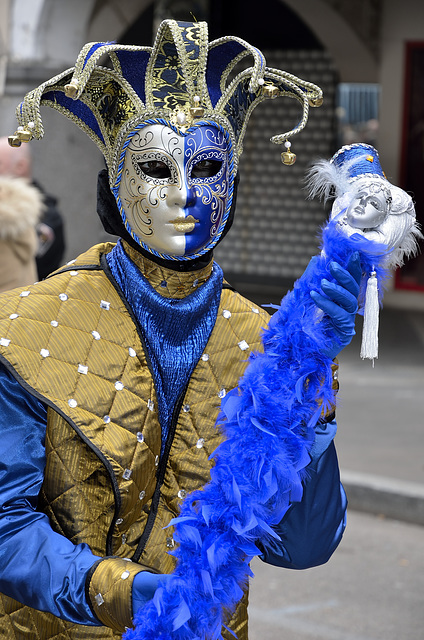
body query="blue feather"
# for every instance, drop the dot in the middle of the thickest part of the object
(230, 404)
(186, 532)
(304, 459)
(300, 387)
(207, 582)
(315, 417)
(210, 553)
(241, 528)
(230, 631)
(254, 401)
(206, 512)
(157, 600)
(179, 520)
(296, 492)
(236, 492)
(182, 615)
(261, 427)
(250, 549)
(268, 529)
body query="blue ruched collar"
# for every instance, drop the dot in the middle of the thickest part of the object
(175, 330)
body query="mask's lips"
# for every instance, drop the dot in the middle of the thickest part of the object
(184, 225)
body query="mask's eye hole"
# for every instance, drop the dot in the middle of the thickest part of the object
(206, 168)
(155, 169)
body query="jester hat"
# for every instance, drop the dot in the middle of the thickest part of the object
(182, 81)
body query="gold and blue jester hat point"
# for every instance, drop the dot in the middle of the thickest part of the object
(183, 81)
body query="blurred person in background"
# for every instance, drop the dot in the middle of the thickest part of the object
(17, 163)
(21, 208)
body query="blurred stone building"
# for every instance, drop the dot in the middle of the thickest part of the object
(367, 55)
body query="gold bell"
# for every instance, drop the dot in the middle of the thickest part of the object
(315, 102)
(270, 91)
(14, 141)
(197, 111)
(288, 157)
(24, 135)
(71, 90)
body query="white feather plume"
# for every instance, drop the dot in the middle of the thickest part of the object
(321, 179)
(325, 179)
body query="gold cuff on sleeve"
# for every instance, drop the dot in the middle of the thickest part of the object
(110, 590)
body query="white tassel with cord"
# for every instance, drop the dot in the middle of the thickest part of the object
(369, 347)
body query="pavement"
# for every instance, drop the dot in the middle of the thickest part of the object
(380, 412)
(371, 588)
(380, 415)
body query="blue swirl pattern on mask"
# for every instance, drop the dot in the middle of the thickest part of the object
(207, 196)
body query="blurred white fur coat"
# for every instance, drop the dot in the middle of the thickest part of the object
(20, 210)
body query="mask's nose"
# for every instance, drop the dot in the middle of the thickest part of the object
(177, 196)
(181, 197)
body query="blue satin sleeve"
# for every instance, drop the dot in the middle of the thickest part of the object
(38, 567)
(312, 528)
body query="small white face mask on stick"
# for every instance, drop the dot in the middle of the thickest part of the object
(368, 205)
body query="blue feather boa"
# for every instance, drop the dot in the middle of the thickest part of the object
(268, 424)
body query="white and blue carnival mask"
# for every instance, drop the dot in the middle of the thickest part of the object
(173, 189)
(366, 203)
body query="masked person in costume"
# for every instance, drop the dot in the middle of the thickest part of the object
(116, 368)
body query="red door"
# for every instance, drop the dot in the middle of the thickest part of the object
(411, 276)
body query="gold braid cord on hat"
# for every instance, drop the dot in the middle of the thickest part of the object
(183, 79)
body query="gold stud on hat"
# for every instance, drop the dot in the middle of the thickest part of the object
(315, 102)
(71, 89)
(270, 91)
(197, 111)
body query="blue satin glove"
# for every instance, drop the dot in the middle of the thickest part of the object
(341, 303)
(144, 586)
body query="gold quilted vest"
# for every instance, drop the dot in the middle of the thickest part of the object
(74, 342)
